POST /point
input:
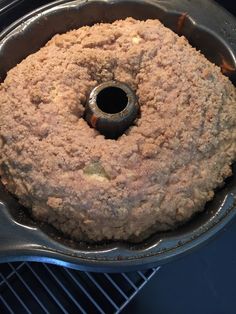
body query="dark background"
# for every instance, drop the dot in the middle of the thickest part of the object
(203, 282)
(230, 5)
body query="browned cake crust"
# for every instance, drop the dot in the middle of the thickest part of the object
(158, 174)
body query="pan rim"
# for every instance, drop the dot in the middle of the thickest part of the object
(147, 258)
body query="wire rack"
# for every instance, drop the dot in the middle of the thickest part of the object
(45, 288)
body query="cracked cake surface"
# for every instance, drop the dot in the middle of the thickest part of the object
(152, 178)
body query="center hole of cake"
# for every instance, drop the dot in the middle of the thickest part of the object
(112, 100)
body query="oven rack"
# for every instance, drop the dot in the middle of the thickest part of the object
(31, 287)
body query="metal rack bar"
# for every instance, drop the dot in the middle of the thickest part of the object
(142, 275)
(73, 290)
(135, 293)
(48, 291)
(129, 281)
(65, 289)
(116, 286)
(102, 290)
(6, 305)
(84, 290)
(29, 289)
(13, 272)
(16, 295)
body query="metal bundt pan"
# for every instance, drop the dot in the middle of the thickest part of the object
(209, 28)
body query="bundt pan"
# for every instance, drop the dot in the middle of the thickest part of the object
(209, 28)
